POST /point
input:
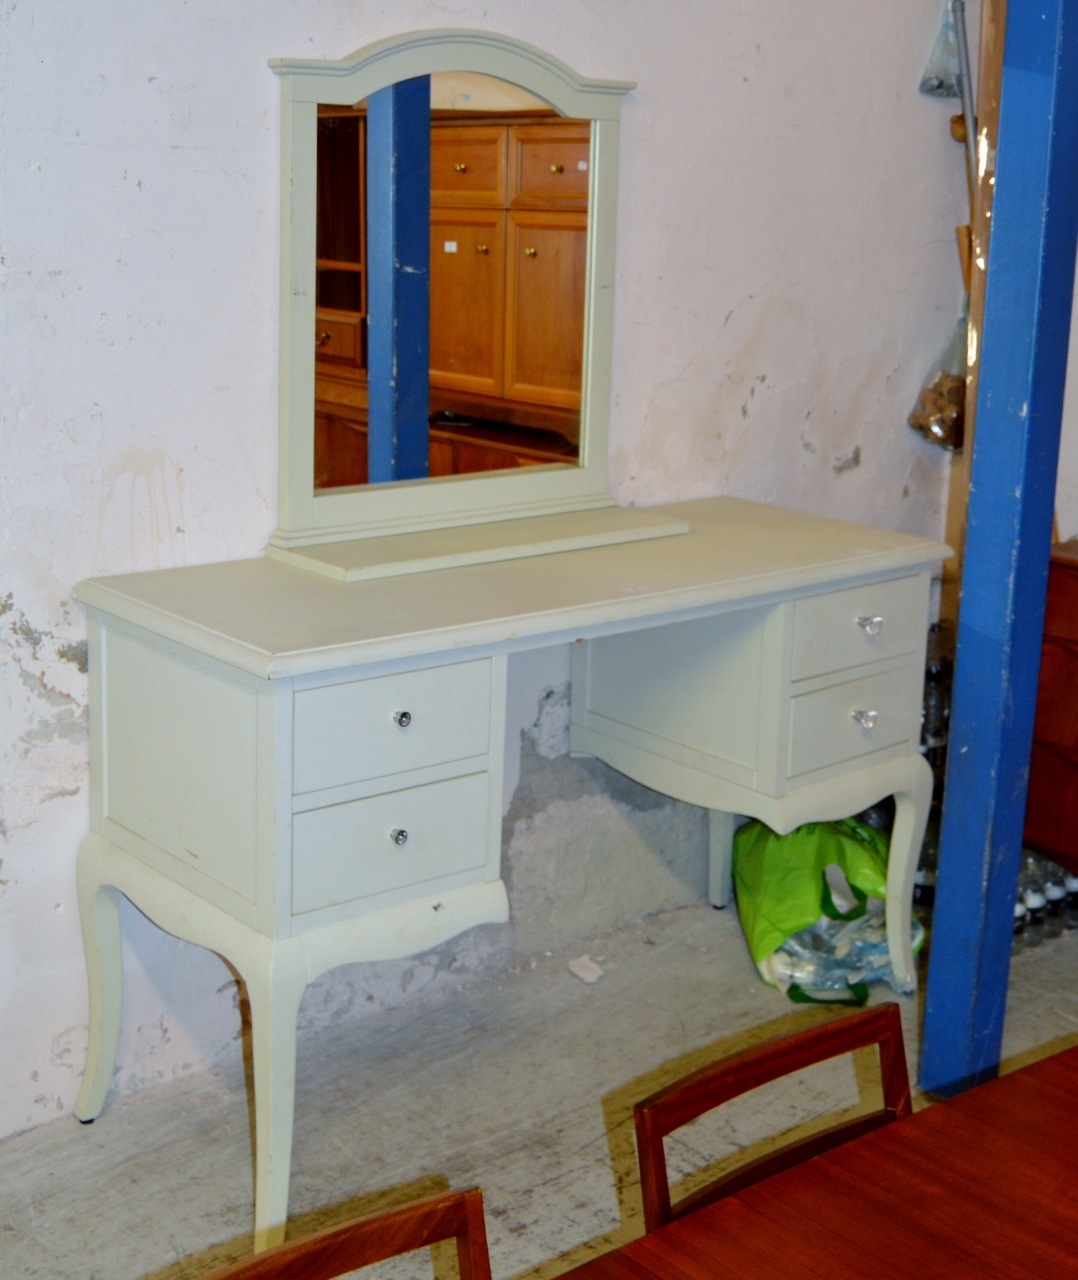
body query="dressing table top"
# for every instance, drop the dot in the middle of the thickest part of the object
(272, 620)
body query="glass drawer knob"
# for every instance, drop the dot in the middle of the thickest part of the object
(866, 719)
(870, 624)
(403, 718)
(399, 836)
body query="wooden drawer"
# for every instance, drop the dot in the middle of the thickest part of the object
(346, 732)
(337, 338)
(836, 631)
(823, 730)
(347, 851)
(548, 166)
(467, 166)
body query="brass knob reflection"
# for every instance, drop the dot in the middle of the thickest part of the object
(481, 248)
(323, 338)
(460, 168)
(530, 253)
(557, 168)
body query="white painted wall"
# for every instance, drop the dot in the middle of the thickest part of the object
(786, 271)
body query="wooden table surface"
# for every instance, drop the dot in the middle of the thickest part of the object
(985, 1185)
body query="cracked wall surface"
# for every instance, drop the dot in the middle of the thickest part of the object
(785, 275)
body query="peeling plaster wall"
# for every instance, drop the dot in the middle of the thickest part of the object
(786, 272)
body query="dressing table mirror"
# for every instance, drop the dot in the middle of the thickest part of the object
(448, 222)
(296, 760)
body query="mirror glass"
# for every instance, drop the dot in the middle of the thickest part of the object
(508, 223)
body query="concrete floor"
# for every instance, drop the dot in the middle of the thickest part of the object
(522, 1083)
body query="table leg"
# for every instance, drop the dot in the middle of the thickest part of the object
(99, 911)
(907, 836)
(720, 827)
(275, 984)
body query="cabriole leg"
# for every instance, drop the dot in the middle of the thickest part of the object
(275, 986)
(99, 912)
(911, 817)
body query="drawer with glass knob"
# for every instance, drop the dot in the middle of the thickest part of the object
(394, 840)
(854, 718)
(859, 625)
(364, 729)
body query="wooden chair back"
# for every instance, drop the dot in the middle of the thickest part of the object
(375, 1237)
(684, 1101)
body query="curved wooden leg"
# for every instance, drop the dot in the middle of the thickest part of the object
(99, 912)
(275, 984)
(911, 817)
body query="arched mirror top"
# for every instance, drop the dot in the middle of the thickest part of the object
(419, 53)
(314, 511)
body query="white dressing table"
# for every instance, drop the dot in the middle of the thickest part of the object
(258, 788)
(296, 761)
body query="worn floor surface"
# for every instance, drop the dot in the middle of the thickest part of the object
(523, 1083)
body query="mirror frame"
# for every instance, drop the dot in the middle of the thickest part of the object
(306, 518)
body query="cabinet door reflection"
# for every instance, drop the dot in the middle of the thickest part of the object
(508, 237)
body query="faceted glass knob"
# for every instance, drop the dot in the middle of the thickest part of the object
(403, 718)
(399, 836)
(871, 624)
(866, 719)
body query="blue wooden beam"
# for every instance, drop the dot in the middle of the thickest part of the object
(398, 279)
(1001, 615)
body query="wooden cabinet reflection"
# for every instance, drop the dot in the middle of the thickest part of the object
(507, 275)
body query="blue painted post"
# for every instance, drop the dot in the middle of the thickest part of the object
(1020, 401)
(398, 279)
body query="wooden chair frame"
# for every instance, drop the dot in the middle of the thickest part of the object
(684, 1101)
(375, 1237)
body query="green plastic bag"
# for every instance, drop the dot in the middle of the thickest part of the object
(781, 881)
